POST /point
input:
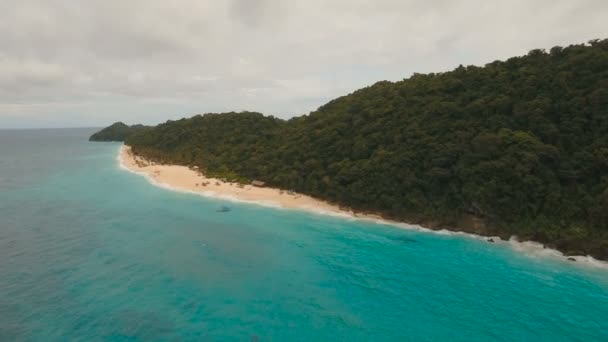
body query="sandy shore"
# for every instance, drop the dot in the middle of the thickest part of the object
(184, 178)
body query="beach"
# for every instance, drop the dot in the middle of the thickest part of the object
(184, 178)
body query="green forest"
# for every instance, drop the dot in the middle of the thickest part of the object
(516, 147)
(118, 131)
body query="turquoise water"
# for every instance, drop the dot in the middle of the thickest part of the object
(91, 252)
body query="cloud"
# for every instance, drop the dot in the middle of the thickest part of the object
(94, 62)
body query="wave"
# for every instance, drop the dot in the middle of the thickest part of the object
(529, 248)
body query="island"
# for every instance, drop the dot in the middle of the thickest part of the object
(513, 148)
(118, 131)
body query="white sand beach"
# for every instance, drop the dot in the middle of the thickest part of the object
(184, 178)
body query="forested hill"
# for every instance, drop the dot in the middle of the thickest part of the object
(515, 147)
(116, 132)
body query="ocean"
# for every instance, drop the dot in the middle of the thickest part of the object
(91, 252)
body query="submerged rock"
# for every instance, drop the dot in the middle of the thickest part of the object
(403, 239)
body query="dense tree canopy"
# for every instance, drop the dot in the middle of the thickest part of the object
(518, 146)
(118, 131)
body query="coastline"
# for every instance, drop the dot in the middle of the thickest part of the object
(185, 179)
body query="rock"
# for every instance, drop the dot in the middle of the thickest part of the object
(405, 239)
(571, 259)
(491, 240)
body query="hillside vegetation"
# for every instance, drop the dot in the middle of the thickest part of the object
(118, 131)
(514, 147)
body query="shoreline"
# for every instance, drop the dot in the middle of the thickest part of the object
(184, 179)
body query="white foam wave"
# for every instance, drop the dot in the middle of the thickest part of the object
(529, 248)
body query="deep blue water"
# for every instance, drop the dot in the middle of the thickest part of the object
(91, 252)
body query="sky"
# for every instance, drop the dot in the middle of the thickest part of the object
(89, 63)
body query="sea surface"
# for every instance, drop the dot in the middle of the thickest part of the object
(91, 252)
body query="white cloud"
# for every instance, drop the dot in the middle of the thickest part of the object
(95, 62)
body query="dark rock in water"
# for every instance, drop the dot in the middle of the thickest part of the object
(140, 326)
(491, 240)
(404, 239)
(571, 259)
(223, 209)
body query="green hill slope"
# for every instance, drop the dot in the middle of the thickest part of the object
(116, 132)
(515, 147)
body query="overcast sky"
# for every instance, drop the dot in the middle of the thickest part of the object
(90, 63)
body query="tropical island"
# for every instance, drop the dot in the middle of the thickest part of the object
(118, 131)
(516, 147)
